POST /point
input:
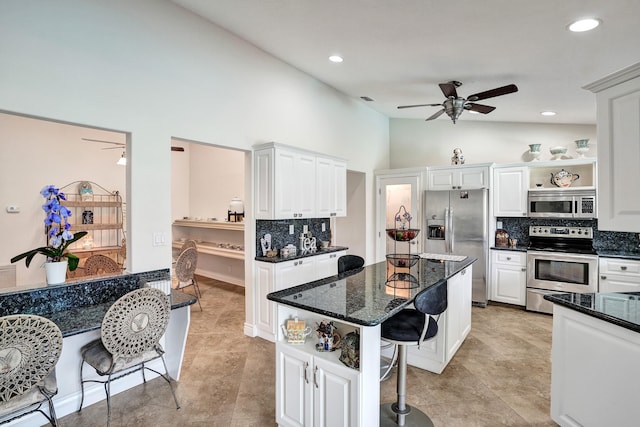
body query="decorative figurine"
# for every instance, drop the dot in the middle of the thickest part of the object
(458, 158)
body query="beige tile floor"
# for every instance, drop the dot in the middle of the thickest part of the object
(499, 377)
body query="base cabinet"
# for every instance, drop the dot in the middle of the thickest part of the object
(619, 275)
(508, 277)
(453, 327)
(311, 391)
(270, 277)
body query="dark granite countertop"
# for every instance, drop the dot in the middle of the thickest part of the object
(619, 254)
(369, 295)
(300, 254)
(619, 308)
(510, 248)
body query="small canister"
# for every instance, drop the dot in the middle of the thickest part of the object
(502, 238)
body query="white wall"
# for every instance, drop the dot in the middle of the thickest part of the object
(157, 71)
(35, 153)
(419, 143)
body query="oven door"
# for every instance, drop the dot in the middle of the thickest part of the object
(564, 272)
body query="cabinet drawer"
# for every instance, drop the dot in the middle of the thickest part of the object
(510, 258)
(619, 267)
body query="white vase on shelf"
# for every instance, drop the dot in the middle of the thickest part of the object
(56, 272)
(582, 146)
(534, 150)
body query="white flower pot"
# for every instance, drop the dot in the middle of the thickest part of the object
(56, 272)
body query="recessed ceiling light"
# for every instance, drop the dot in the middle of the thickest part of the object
(584, 25)
(548, 113)
(335, 58)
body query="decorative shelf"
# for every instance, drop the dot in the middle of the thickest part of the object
(219, 225)
(212, 248)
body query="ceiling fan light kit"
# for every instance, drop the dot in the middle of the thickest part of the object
(454, 105)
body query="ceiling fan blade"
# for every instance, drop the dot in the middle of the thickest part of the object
(435, 116)
(493, 92)
(448, 89)
(175, 148)
(484, 109)
(419, 105)
(103, 141)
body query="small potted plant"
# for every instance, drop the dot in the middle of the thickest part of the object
(59, 236)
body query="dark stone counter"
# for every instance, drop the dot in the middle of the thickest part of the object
(79, 306)
(618, 308)
(371, 294)
(510, 248)
(619, 254)
(301, 254)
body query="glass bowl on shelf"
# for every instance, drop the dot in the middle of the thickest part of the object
(403, 235)
(403, 260)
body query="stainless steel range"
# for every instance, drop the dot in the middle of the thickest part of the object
(559, 259)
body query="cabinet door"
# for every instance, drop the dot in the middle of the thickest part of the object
(296, 272)
(340, 188)
(324, 187)
(442, 180)
(511, 186)
(508, 277)
(265, 309)
(286, 184)
(618, 152)
(458, 314)
(294, 390)
(335, 401)
(327, 264)
(472, 178)
(305, 177)
(263, 162)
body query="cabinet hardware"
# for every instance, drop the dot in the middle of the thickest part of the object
(306, 365)
(463, 272)
(603, 277)
(315, 374)
(523, 269)
(508, 258)
(623, 267)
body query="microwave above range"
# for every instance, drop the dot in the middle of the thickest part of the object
(580, 204)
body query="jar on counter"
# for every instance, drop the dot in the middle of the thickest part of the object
(502, 238)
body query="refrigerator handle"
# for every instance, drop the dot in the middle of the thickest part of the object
(452, 237)
(447, 231)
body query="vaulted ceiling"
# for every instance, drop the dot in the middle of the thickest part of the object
(397, 52)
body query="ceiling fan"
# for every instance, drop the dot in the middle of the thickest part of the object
(454, 105)
(121, 144)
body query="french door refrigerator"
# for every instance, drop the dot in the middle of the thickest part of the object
(456, 224)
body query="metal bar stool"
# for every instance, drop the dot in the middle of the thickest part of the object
(349, 262)
(412, 327)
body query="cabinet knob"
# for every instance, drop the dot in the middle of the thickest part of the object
(523, 269)
(315, 375)
(603, 277)
(306, 379)
(463, 272)
(508, 258)
(623, 267)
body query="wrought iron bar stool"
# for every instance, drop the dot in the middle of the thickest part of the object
(185, 270)
(130, 335)
(412, 327)
(101, 264)
(30, 347)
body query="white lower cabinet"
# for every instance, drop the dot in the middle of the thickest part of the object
(270, 277)
(509, 277)
(453, 327)
(619, 275)
(311, 391)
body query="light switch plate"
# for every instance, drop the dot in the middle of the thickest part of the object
(291, 229)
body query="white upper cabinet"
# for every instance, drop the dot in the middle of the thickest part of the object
(510, 190)
(618, 102)
(331, 187)
(458, 178)
(295, 184)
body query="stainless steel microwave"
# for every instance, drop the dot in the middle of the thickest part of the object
(562, 204)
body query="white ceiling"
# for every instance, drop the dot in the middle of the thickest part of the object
(397, 52)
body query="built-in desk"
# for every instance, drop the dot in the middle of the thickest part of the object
(595, 354)
(78, 308)
(313, 385)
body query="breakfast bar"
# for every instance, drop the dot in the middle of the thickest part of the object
(315, 385)
(595, 353)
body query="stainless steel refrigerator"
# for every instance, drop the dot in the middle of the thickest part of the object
(456, 223)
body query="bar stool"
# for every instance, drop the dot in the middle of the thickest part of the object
(30, 347)
(412, 327)
(349, 262)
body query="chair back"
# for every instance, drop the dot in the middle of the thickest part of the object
(135, 322)
(186, 265)
(349, 262)
(432, 300)
(30, 347)
(100, 264)
(188, 244)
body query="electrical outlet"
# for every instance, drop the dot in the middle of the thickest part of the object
(324, 227)
(291, 230)
(499, 224)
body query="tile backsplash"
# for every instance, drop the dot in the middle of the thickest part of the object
(279, 230)
(602, 240)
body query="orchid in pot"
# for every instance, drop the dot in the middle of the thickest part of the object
(59, 236)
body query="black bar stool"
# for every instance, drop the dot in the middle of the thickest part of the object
(349, 262)
(412, 327)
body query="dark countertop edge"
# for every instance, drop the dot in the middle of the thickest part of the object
(510, 248)
(275, 296)
(593, 313)
(619, 254)
(301, 255)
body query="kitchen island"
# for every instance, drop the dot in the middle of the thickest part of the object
(314, 387)
(595, 354)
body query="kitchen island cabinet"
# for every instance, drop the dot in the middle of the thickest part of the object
(336, 394)
(595, 353)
